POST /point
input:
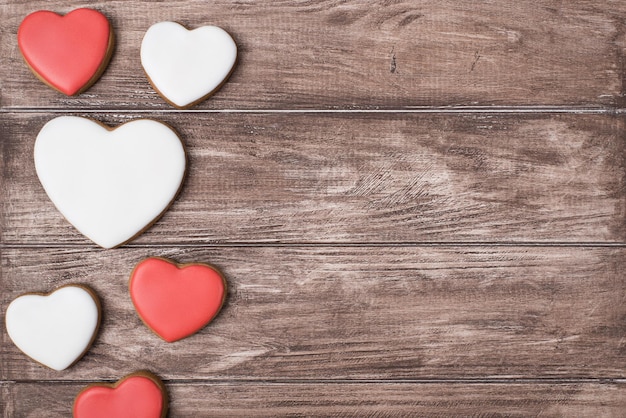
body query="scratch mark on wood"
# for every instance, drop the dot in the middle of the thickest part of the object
(410, 19)
(476, 58)
(394, 65)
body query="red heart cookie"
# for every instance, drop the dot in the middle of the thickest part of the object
(68, 52)
(138, 395)
(175, 300)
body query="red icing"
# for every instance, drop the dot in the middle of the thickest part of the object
(66, 51)
(134, 397)
(176, 302)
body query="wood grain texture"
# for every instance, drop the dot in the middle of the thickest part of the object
(374, 313)
(348, 400)
(347, 178)
(380, 263)
(366, 54)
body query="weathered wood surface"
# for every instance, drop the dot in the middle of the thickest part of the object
(336, 231)
(347, 178)
(353, 313)
(348, 400)
(365, 54)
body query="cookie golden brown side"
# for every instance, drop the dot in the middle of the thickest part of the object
(176, 300)
(68, 53)
(187, 66)
(55, 329)
(140, 394)
(110, 183)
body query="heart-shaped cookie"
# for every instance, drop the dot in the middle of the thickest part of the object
(54, 329)
(69, 53)
(137, 395)
(176, 300)
(109, 184)
(184, 66)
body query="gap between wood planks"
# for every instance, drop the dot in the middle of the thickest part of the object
(443, 110)
(328, 244)
(494, 381)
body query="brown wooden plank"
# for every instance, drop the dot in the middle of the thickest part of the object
(349, 400)
(415, 312)
(334, 54)
(373, 177)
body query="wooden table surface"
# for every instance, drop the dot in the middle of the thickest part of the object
(419, 206)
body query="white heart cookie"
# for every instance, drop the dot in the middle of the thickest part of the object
(109, 184)
(187, 66)
(54, 329)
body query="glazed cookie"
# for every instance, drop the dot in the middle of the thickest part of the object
(111, 184)
(186, 67)
(137, 395)
(176, 300)
(69, 53)
(57, 328)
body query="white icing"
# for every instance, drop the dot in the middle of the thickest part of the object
(54, 330)
(187, 65)
(109, 184)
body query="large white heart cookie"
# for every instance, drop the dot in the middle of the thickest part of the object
(55, 329)
(185, 66)
(109, 184)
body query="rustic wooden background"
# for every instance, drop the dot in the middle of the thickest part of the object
(420, 208)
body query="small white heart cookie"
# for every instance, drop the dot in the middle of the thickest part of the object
(111, 184)
(187, 66)
(54, 329)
